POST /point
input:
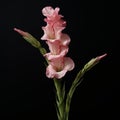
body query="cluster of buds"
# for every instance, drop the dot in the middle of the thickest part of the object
(57, 42)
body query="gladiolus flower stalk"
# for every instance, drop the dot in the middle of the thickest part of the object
(58, 64)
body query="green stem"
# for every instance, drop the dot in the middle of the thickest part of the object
(74, 85)
(60, 95)
(77, 81)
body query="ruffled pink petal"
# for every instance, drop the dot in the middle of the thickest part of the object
(56, 50)
(59, 25)
(69, 64)
(51, 73)
(54, 47)
(65, 39)
(51, 56)
(51, 33)
(57, 63)
(51, 14)
(58, 67)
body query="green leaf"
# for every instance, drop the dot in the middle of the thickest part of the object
(78, 80)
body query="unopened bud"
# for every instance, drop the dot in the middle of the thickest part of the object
(28, 37)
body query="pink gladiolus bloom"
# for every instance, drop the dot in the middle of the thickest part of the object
(56, 50)
(58, 67)
(51, 14)
(58, 44)
(52, 32)
(54, 24)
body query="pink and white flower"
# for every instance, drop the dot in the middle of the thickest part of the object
(59, 67)
(54, 24)
(56, 50)
(57, 42)
(52, 15)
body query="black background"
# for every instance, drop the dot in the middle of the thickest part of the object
(26, 93)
